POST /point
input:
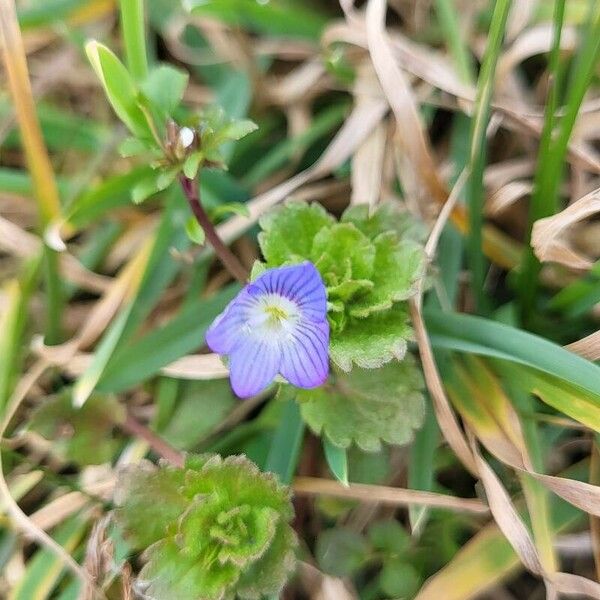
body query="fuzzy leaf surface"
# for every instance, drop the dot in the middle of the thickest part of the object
(372, 342)
(214, 530)
(367, 407)
(288, 233)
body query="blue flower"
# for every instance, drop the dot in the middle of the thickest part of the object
(276, 325)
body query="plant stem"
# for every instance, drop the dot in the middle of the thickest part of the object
(134, 36)
(228, 258)
(132, 426)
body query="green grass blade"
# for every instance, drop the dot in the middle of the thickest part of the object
(481, 336)
(448, 18)
(543, 202)
(12, 325)
(132, 363)
(44, 569)
(551, 165)
(477, 161)
(287, 443)
(134, 36)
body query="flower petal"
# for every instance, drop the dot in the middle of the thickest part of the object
(253, 365)
(227, 329)
(300, 283)
(304, 360)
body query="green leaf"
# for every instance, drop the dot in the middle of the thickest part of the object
(274, 18)
(145, 188)
(194, 231)
(98, 200)
(386, 217)
(236, 208)
(217, 528)
(79, 435)
(396, 272)
(341, 552)
(337, 460)
(389, 536)
(288, 232)
(133, 146)
(119, 87)
(368, 467)
(284, 452)
(488, 338)
(238, 129)
(372, 342)
(164, 87)
(192, 164)
(342, 252)
(399, 579)
(367, 407)
(202, 405)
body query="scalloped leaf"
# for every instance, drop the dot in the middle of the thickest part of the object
(372, 342)
(367, 407)
(398, 267)
(288, 232)
(386, 217)
(213, 530)
(342, 252)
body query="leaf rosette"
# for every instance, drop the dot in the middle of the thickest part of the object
(370, 263)
(217, 529)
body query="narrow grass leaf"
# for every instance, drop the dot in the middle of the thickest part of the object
(287, 442)
(481, 336)
(44, 569)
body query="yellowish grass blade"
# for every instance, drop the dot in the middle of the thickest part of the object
(38, 162)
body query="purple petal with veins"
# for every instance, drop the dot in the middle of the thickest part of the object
(276, 325)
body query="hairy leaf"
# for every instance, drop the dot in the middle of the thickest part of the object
(397, 270)
(213, 530)
(288, 233)
(367, 407)
(372, 342)
(370, 264)
(388, 217)
(342, 252)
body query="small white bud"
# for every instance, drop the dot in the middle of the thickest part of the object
(186, 137)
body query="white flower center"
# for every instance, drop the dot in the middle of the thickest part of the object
(272, 318)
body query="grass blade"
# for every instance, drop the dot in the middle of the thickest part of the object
(134, 37)
(287, 442)
(38, 162)
(477, 161)
(488, 338)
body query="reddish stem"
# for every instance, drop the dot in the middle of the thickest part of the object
(132, 426)
(228, 258)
